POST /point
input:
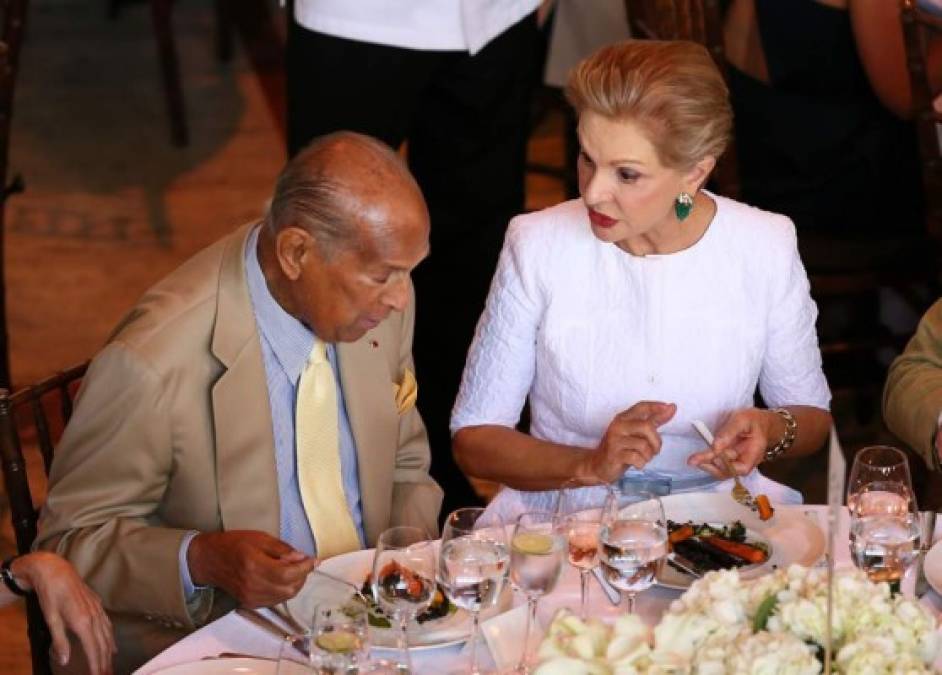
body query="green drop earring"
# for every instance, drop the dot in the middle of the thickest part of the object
(683, 205)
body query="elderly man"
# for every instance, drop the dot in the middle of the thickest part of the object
(912, 398)
(255, 409)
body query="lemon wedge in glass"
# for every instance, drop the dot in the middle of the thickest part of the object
(338, 641)
(533, 543)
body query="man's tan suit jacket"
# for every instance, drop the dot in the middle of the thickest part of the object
(912, 399)
(172, 432)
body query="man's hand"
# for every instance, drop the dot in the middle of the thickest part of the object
(630, 440)
(253, 567)
(938, 443)
(67, 604)
(743, 439)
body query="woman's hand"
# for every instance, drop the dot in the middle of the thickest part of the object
(67, 603)
(743, 439)
(630, 440)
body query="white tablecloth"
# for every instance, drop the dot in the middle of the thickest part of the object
(234, 634)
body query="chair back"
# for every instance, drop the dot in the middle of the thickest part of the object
(37, 412)
(919, 29)
(699, 21)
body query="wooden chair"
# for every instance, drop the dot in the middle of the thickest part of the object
(919, 29)
(42, 410)
(162, 17)
(845, 275)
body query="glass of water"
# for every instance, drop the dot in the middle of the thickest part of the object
(340, 637)
(633, 541)
(580, 512)
(884, 520)
(537, 551)
(404, 579)
(472, 565)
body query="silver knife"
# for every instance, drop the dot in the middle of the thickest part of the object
(683, 565)
(269, 626)
(925, 543)
(611, 592)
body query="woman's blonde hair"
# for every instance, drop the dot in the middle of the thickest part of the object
(673, 90)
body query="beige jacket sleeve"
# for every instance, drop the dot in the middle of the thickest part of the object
(416, 498)
(912, 399)
(108, 480)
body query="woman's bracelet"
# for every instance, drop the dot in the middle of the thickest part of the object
(786, 442)
(6, 573)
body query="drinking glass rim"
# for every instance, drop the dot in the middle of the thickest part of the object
(893, 451)
(401, 547)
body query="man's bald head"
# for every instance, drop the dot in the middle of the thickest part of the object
(340, 187)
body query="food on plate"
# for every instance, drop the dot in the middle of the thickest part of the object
(765, 507)
(709, 546)
(398, 577)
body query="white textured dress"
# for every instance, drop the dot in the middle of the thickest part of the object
(587, 330)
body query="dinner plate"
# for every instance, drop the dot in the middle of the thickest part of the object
(354, 567)
(791, 536)
(932, 566)
(233, 666)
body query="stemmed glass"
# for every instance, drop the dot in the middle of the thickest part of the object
(473, 564)
(536, 560)
(580, 512)
(633, 540)
(884, 520)
(340, 639)
(404, 579)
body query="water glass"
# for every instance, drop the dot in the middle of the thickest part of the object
(633, 541)
(885, 528)
(473, 564)
(340, 637)
(537, 550)
(404, 579)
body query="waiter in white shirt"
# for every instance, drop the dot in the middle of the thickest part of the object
(451, 79)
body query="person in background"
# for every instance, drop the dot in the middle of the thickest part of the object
(649, 303)
(450, 79)
(68, 605)
(254, 412)
(912, 397)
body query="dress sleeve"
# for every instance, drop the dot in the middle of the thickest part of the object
(501, 362)
(791, 367)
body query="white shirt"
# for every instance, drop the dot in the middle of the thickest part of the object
(444, 25)
(586, 330)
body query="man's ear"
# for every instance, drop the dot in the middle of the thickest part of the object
(292, 246)
(696, 176)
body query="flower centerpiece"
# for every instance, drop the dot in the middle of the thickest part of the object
(772, 624)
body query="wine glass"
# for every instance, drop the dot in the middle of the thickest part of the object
(472, 565)
(580, 512)
(536, 560)
(884, 520)
(404, 579)
(633, 541)
(340, 637)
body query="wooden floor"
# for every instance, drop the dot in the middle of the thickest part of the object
(111, 206)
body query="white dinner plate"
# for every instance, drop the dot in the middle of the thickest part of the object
(354, 567)
(791, 536)
(232, 666)
(932, 566)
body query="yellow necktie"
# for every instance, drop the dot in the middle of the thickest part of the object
(318, 449)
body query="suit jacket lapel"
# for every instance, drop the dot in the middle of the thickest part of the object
(374, 421)
(246, 476)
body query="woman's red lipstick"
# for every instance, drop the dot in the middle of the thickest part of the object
(600, 219)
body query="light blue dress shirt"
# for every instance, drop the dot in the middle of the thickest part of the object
(286, 344)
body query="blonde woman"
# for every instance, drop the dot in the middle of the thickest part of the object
(644, 305)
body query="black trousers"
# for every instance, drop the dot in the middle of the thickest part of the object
(465, 120)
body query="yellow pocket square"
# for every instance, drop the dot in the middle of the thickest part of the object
(405, 392)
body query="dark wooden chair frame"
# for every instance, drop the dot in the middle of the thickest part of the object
(34, 400)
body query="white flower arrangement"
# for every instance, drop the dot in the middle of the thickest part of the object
(771, 625)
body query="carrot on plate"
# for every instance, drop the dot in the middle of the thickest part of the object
(751, 554)
(765, 507)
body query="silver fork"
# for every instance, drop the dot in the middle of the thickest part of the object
(740, 492)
